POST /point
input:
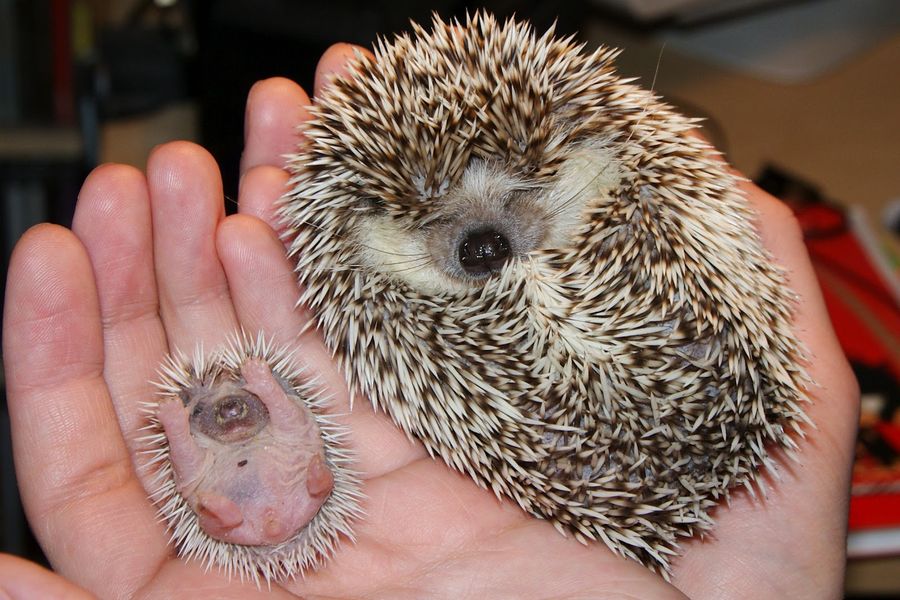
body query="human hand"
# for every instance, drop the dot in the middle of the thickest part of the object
(152, 264)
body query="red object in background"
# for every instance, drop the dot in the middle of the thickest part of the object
(862, 307)
(869, 511)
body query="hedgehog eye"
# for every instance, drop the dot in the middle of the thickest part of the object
(373, 204)
(483, 251)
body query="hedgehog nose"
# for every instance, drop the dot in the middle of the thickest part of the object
(483, 251)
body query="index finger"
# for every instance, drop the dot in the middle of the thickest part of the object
(334, 63)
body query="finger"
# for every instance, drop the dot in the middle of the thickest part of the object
(266, 184)
(334, 63)
(275, 107)
(24, 580)
(112, 220)
(265, 293)
(186, 203)
(78, 487)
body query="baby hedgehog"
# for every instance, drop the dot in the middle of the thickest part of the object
(536, 269)
(249, 472)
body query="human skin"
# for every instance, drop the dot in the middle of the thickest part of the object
(152, 263)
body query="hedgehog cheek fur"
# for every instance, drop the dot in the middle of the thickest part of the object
(251, 474)
(533, 267)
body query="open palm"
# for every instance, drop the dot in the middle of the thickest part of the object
(153, 264)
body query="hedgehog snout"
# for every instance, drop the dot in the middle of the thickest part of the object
(483, 251)
(481, 224)
(231, 418)
(481, 238)
(489, 218)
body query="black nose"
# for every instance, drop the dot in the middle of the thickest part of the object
(483, 251)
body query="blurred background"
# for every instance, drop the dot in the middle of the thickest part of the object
(803, 97)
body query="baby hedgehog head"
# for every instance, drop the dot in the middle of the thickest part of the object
(250, 473)
(534, 267)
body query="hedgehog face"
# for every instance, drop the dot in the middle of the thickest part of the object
(532, 267)
(229, 414)
(489, 218)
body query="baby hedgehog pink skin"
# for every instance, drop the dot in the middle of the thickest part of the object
(250, 472)
(248, 459)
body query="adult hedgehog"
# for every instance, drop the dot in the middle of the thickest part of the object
(536, 269)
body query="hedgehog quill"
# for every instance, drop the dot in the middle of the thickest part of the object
(534, 267)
